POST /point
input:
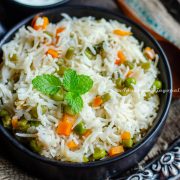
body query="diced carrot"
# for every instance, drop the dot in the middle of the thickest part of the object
(72, 145)
(58, 31)
(87, 133)
(116, 150)
(43, 26)
(121, 32)
(70, 118)
(97, 101)
(14, 122)
(46, 22)
(117, 62)
(121, 58)
(64, 128)
(53, 53)
(34, 20)
(149, 53)
(126, 135)
(65, 125)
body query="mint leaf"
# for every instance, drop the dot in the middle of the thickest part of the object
(79, 84)
(75, 101)
(70, 80)
(83, 85)
(47, 84)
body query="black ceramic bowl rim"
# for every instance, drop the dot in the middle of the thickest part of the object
(41, 6)
(102, 162)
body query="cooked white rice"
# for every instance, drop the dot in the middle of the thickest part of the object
(125, 113)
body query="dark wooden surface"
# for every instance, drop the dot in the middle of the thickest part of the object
(10, 171)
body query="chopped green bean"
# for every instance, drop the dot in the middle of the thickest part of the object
(71, 35)
(70, 53)
(106, 97)
(44, 109)
(13, 57)
(80, 128)
(3, 113)
(60, 61)
(119, 83)
(61, 70)
(99, 47)
(35, 146)
(89, 54)
(34, 123)
(23, 125)
(129, 82)
(6, 121)
(59, 96)
(130, 64)
(34, 112)
(146, 66)
(128, 143)
(99, 153)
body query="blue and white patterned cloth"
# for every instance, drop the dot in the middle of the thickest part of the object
(146, 16)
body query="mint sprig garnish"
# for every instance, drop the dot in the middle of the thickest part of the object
(70, 80)
(79, 84)
(75, 101)
(47, 84)
(74, 84)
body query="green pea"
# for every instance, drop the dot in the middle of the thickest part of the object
(130, 64)
(125, 91)
(146, 66)
(34, 112)
(80, 128)
(127, 143)
(6, 121)
(129, 82)
(68, 110)
(35, 146)
(157, 84)
(23, 125)
(85, 159)
(119, 83)
(61, 70)
(3, 113)
(106, 97)
(99, 153)
(70, 52)
(59, 96)
(89, 54)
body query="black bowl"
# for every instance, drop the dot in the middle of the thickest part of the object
(52, 169)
